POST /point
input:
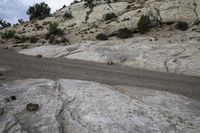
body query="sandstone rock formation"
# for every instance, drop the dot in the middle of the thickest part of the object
(81, 106)
(172, 52)
(128, 13)
(162, 48)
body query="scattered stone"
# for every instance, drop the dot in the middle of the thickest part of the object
(181, 25)
(32, 107)
(7, 100)
(124, 33)
(110, 62)
(13, 98)
(38, 56)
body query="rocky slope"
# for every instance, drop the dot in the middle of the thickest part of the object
(177, 53)
(87, 22)
(81, 106)
(163, 48)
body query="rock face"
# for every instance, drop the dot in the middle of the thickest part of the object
(82, 107)
(87, 23)
(172, 52)
(163, 48)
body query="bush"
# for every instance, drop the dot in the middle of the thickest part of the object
(101, 36)
(143, 24)
(8, 34)
(4, 24)
(38, 11)
(34, 40)
(74, 2)
(124, 33)
(89, 3)
(53, 30)
(21, 21)
(109, 16)
(181, 25)
(67, 15)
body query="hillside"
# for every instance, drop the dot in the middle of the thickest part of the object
(99, 33)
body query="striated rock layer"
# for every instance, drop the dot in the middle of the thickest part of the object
(80, 107)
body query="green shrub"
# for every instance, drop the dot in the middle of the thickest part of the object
(21, 21)
(8, 34)
(109, 16)
(74, 2)
(38, 11)
(89, 3)
(101, 36)
(181, 25)
(144, 23)
(34, 40)
(67, 15)
(4, 24)
(124, 33)
(53, 30)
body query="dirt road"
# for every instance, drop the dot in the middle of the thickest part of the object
(23, 67)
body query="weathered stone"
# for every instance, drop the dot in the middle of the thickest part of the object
(32, 107)
(13, 98)
(38, 56)
(82, 106)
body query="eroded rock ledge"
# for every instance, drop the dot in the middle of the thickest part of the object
(81, 106)
(177, 53)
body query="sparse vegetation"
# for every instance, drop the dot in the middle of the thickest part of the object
(74, 2)
(109, 16)
(124, 33)
(181, 25)
(38, 11)
(144, 23)
(89, 3)
(53, 30)
(21, 39)
(155, 17)
(21, 21)
(4, 24)
(34, 40)
(152, 19)
(67, 15)
(101, 36)
(8, 34)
